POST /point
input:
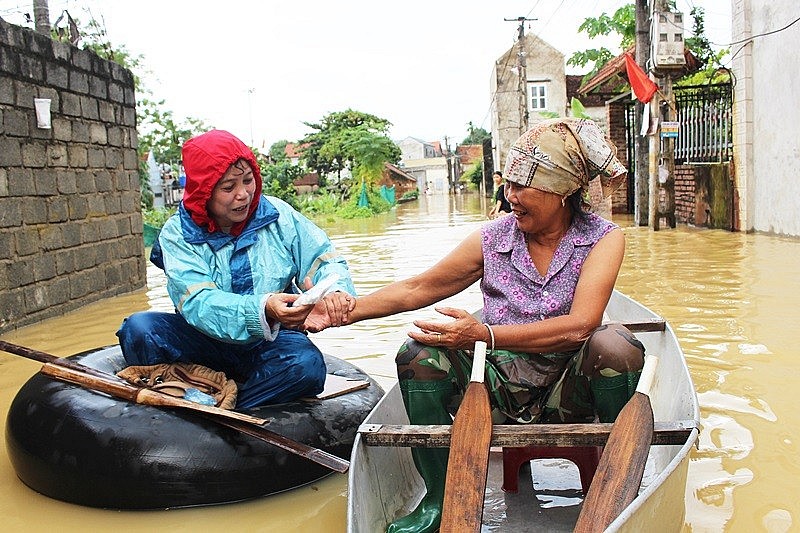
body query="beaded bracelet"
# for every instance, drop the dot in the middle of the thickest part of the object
(491, 337)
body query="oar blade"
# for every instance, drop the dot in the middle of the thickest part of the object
(619, 474)
(468, 461)
(621, 468)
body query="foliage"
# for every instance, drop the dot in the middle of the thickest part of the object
(163, 134)
(474, 174)
(326, 152)
(368, 151)
(410, 195)
(278, 178)
(476, 135)
(377, 204)
(622, 23)
(156, 217)
(318, 204)
(328, 203)
(701, 48)
(577, 109)
(277, 152)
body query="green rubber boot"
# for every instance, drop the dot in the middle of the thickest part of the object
(612, 393)
(425, 403)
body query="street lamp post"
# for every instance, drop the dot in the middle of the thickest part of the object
(250, 112)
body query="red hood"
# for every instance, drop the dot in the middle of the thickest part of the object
(205, 159)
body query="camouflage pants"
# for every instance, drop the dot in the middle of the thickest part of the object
(528, 388)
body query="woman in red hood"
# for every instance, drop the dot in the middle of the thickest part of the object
(232, 257)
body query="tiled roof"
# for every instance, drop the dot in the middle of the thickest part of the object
(469, 153)
(294, 150)
(614, 72)
(399, 173)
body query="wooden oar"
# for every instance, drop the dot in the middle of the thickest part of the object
(469, 454)
(140, 395)
(619, 473)
(94, 379)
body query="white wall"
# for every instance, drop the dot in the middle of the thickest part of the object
(766, 116)
(411, 148)
(544, 64)
(431, 172)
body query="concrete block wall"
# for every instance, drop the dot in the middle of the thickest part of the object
(70, 215)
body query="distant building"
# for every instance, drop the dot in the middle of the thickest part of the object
(396, 177)
(426, 163)
(294, 152)
(544, 86)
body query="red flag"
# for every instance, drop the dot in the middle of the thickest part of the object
(643, 87)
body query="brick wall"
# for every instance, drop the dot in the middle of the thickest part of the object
(70, 215)
(685, 195)
(616, 132)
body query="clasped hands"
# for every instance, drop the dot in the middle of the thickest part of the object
(332, 310)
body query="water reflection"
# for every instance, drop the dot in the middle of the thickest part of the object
(731, 298)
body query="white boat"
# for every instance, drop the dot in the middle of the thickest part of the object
(383, 483)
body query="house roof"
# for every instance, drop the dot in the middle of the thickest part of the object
(399, 173)
(293, 150)
(615, 73)
(469, 153)
(310, 178)
(574, 82)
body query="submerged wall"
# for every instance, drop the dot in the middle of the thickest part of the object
(70, 214)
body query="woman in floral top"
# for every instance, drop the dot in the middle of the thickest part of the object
(547, 273)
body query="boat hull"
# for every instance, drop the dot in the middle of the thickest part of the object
(84, 447)
(384, 485)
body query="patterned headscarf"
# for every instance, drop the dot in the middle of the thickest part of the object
(562, 155)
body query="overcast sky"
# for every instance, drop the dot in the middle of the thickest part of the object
(261, 68)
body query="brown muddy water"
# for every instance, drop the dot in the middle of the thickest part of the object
(732, 299)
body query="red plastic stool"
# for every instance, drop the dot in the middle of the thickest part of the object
(585, 458)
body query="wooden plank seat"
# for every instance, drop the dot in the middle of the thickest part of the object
(518, 435)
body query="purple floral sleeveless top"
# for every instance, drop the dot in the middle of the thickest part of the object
(513, 290)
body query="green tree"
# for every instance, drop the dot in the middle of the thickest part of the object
(162, 133)
(369, 151)
(476, 135)
(701, 48)
(474, 174)
(277, 151)
(278, 178)
(622, 23)
(325, 151)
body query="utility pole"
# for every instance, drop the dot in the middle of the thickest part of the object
(41, 16)
(641, 172)
(661, 201)
(522, 86)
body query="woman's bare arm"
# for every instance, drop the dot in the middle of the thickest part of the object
(563, 333)
(452, 274)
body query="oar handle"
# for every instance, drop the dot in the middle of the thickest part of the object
(648, 374)
(478, 362)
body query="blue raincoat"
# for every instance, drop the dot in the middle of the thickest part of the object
(219, 283)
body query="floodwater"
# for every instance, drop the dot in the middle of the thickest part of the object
(731, 298)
